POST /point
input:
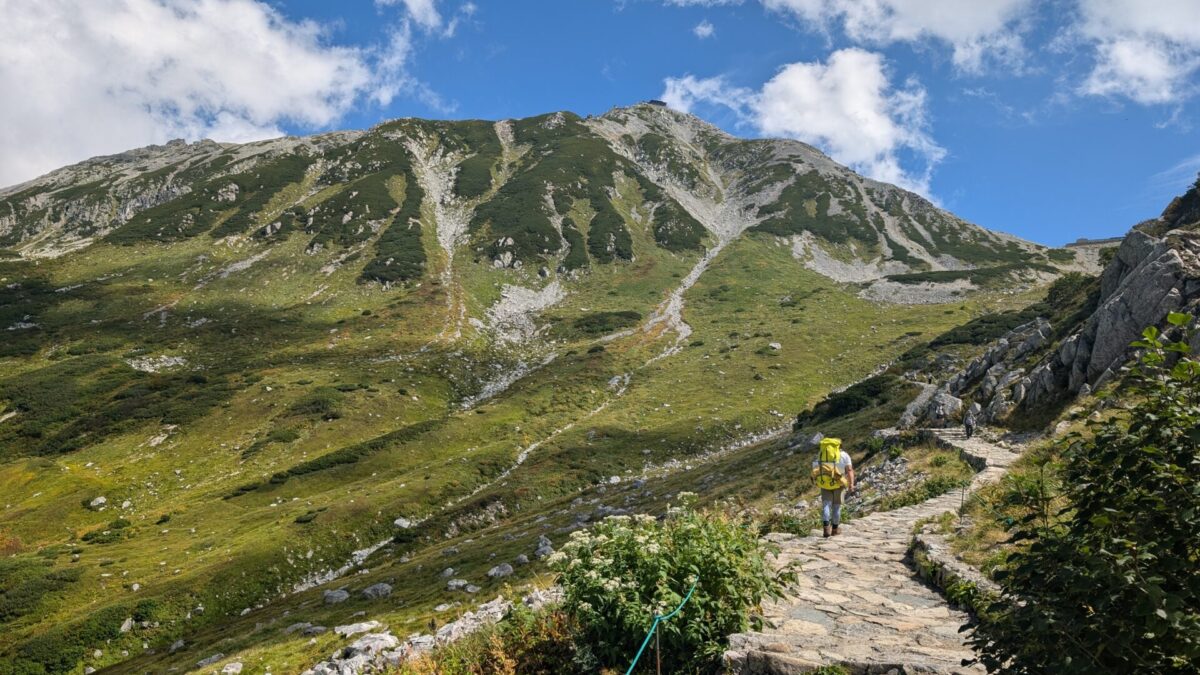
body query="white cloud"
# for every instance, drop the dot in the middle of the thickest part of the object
(1145, 51)
(91, 78)
(704, 30)
(846, 106)
(978, 31)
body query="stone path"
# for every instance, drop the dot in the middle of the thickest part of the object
(857, 603)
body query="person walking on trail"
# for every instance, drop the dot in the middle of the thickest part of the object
(834, 473)
(969, 422)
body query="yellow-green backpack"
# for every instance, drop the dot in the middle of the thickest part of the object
(826, 474)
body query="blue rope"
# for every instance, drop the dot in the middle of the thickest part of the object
(654, 627)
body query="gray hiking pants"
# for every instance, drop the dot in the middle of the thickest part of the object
(831, 505)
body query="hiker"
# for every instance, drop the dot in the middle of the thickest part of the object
(969, 422)
(834, 474)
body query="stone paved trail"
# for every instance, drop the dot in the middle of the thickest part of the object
(857, 603)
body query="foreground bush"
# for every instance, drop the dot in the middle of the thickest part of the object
(1112, 584)
(620, 574)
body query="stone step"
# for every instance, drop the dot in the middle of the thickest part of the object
(857, 603)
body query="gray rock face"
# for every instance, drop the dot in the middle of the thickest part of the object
(377, 591)
(1148, 278)
(1013, 346)
(943, 408)
(335, 597)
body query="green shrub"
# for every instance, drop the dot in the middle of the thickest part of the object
(1112, 585)
(25, 581)
(321, 403)
(617, 576)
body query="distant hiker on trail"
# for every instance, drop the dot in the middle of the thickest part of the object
(834, 474)
(969, 422)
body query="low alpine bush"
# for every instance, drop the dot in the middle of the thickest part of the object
(624, 571)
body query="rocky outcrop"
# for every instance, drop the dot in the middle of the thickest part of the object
(1010, 348)
(381, 651)
(1148, 278)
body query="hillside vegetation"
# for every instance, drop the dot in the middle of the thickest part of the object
(234, 377)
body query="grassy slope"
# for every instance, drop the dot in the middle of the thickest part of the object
(265, 324)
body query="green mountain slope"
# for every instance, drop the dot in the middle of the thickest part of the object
(261, 356)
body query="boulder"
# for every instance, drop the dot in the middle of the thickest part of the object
(210, 660)
(500, 571)
(377, 591)
(232, 668)
(943, 408)
(303, 625)
(456, 584)
(336, 596)
(544, 547)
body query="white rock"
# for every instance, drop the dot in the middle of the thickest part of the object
(232, 668)
(356, 628)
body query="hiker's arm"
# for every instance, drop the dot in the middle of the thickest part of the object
(850, 477)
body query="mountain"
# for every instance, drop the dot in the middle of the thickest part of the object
(233, 377)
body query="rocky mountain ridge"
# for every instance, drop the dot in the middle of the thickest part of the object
(691, 182)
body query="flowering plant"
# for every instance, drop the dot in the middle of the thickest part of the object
(625, 570)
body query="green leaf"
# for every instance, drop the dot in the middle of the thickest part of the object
(1178, 319)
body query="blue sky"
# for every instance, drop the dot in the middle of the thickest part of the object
(1049, 119)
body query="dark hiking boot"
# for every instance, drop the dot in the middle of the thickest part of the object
(835, 530)
(827, 530)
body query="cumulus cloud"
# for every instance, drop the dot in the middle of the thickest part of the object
(978, 32)
(93, 78)
(847, 106)
(704, 30)
(1144, 51)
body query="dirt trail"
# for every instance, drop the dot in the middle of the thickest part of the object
(858, 603)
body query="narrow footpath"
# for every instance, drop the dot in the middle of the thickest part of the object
(858, 603)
